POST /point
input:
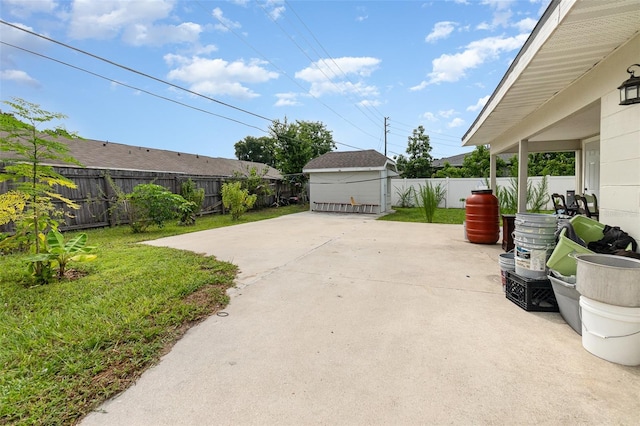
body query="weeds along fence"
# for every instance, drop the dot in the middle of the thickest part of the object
(458, 189)
(97, 193)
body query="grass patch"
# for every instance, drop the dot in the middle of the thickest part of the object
(415, 214)
(70, 345)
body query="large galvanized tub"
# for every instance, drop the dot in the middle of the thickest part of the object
(610, 279)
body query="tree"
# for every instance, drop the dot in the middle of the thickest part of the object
(236, 199)
(449, 171)
(547, 163)
(477, 163)
(259, 150)
(552, 164)
(30, 147)
(255, 182)
(418, 163)
(298, 143)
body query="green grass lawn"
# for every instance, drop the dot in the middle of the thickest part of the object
(414, 214)
(67, 346)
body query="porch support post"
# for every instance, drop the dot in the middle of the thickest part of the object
(523, 163)
(578, 167)
(492, 172)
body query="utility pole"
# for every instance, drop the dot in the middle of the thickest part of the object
(386, 124)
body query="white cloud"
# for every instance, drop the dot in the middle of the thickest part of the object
(440, 30)
(525, 25)
(501, 14)
(143, 35)
(275, 8)
(370, 103)
(18, 38)
(287, 99)
(430, 116)
(217, 76)
(224, 24)
(452, 67)
(135, 20)
(20, 77)
(328, 76)
(362, 18)
(447, 114)
(456, 122)
(24, 9)
(481, 103)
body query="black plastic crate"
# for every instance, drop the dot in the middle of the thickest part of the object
(531, 294)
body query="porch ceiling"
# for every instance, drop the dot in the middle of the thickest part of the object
(570, 39)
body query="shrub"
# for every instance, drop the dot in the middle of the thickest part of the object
(236, 199)
(194, 197)
(151, 204)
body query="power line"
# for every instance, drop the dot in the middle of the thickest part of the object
(330, 57)
(148, 76)
(134, 71)
(319, 69)
(131, 87)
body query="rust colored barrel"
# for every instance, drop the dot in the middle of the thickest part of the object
(482, 217)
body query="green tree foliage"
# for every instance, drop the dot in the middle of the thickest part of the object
(194, 197)
(298, 143)
(449, 171)
(30, 147)
(151, 204)
(475, 164)
(255, 182)
(551, 164)
(418, 162)
(237, 199)
(259, 150)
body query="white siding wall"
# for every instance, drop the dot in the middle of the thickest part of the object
(339, 187)
(461, 187)
(620, 163)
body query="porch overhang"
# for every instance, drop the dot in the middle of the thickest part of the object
(571, 38)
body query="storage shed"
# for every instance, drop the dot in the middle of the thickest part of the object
(351, 181)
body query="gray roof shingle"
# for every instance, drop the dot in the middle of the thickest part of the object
(348, 159)
(108, 155)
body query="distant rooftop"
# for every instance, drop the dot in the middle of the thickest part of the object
(115, 156)
(349, 160)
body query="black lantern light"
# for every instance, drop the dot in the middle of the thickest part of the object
(630, 89)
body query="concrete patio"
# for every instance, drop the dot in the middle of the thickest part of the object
(345, 320)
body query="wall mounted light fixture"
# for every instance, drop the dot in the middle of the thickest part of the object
(630, 89)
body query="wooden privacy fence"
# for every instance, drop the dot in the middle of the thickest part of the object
(97, 192)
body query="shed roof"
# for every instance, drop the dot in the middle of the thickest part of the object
(367, 159)
(115, 156)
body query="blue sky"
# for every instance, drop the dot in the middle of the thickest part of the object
(347, 64)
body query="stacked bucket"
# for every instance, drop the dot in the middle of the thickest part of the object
(534, 238)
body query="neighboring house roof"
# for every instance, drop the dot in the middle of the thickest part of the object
(114, 156)
(457, 160)
(365, 160)
(568, 41)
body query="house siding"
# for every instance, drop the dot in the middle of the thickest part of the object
(339, 187)
(620, 162)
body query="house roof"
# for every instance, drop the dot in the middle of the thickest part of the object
(457, 160)
(115, 156)
(338, 160)
(571, 37)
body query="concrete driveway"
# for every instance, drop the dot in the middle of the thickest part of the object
(344, 320)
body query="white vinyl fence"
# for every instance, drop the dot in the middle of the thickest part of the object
(460, 188)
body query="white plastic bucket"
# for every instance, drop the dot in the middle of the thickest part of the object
(506, 262)
(611, 332)
(534, 240)
(531, 259)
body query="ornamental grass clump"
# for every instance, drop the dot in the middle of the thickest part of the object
(428, 198)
